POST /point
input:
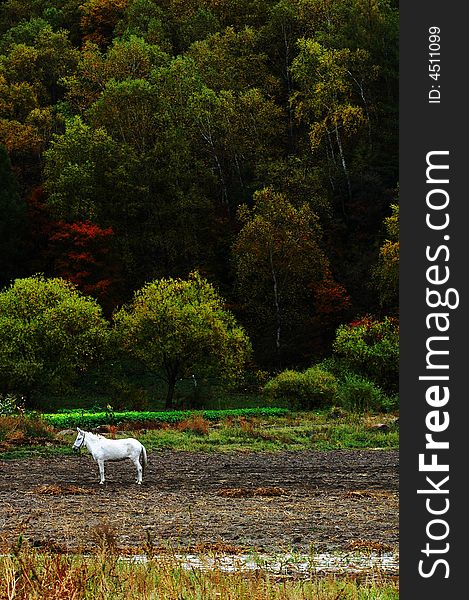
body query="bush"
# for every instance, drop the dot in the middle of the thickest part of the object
(23, 428)
(10, 404)
(337, 366)
(312, 389)
(194, 424)
(361, 395)
(371, 348)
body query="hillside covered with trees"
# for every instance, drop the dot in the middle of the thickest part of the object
(248, 143)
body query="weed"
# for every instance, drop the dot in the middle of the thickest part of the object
(22, 429)
(194, 424)
(26, 574)
(105, 538)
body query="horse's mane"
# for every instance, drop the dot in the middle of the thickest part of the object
(96, 435)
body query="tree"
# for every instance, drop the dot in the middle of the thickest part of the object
(129, 58)
(99, 17)
(48, 58)
(81, 254)
(80, 173)
(330, 100)
(12, 223)
(236, 132)
(279, 261)
(133, 171)
(230, 61)
(386, 272)
(180, 327)
(147, 19)
(49, 334)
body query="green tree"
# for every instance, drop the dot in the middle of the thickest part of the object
(49, 334)
(330, 100)
(279, 261)
(128, 58)
(42, 63)
(180, 327)
(234, 133)
(145, 18)
(80, 172)
(386, 272)
(231, 61)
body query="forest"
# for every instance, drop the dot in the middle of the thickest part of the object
(247, 146)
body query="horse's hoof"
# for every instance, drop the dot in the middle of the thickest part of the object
(101, 483)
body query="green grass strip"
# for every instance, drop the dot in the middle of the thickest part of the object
(88, 419)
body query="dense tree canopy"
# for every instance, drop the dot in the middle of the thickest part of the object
(12, 223)
(50, 334)
(253, 141)
(181, 328)
(279, 261)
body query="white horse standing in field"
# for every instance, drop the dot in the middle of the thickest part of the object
(103, 449)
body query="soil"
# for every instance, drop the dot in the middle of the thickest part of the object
(326, 501)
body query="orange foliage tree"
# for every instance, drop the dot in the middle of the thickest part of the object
(99, 17)
(82, 252)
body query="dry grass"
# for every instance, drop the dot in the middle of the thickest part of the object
(26, 574)
(248, 493)
(373, 494)
(194, 424)
(25, 430)
(60, 490)
(368, 546)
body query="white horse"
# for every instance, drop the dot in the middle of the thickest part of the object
(103, 449)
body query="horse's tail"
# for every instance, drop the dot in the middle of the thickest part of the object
(143, 454)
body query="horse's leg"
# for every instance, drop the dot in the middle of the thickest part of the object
(136, 462)
(101, 471)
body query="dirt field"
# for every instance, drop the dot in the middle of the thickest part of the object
(268, 502)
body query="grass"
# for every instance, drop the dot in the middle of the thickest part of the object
(324, 430)
(301, 431)
(91, 419)
(32, 575)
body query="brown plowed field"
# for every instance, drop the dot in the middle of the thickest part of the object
(267, 502)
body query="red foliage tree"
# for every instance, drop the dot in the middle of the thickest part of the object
(331, 300)
(82, 254)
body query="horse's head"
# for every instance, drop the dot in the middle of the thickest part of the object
(79, 441)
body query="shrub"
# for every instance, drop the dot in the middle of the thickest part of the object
(23, 428)
(371, 348)
(360, 395)
(194, 424)
(311, 389)
(335, 365)
(10, 404)
(285, 387)
(321, 386)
